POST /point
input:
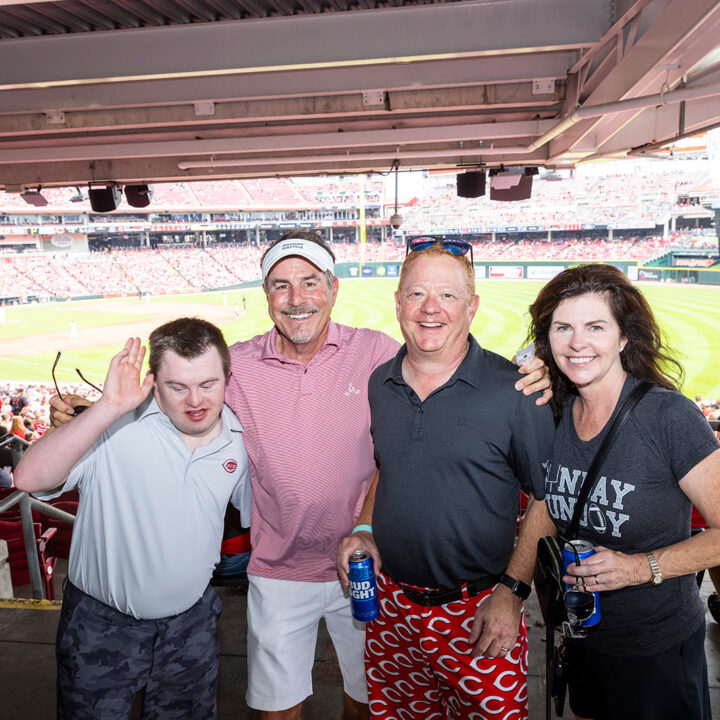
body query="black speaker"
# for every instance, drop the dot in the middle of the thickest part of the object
(34, 197)
(471, 184)
(521, 191)
(105, 198)
(138, 195)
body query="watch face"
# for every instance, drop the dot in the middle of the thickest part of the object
(657, 579)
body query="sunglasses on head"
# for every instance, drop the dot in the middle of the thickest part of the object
(423, 242)
(80, 408)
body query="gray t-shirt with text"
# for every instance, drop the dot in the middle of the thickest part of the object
(636, 506)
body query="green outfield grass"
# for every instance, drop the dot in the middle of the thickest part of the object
(690, 315)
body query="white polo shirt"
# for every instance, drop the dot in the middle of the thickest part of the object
(151, 514)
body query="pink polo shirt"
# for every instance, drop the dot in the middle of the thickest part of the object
(307, 435)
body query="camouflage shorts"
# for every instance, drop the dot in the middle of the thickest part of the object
(105, 657)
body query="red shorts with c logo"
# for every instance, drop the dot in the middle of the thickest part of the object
(420, 665)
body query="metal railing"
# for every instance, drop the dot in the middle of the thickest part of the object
(27, 504)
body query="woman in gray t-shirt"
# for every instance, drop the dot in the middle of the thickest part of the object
(646, 658)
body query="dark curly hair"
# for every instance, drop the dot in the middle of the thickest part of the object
(646, 355)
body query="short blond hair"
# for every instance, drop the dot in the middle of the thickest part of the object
(438, 249)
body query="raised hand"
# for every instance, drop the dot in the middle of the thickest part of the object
(123, 390)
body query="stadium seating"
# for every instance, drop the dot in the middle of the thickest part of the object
(12, 532)
(188, 269)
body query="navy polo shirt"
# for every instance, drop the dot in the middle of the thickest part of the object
(451, 469)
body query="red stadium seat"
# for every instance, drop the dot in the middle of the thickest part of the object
(60, 544)
(12, 532)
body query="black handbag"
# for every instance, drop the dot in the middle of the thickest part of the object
(549, 566)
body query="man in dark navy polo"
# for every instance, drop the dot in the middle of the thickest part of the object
(454, 444)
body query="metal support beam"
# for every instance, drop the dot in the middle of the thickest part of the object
(684, 23)
(166, 169)
(319, 81)
(485, 98)
(406, 34)
(52, 511)
(279, 143)
(33, 560)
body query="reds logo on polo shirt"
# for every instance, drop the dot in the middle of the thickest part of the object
(230, 466)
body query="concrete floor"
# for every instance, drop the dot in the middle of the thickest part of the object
(27, 663)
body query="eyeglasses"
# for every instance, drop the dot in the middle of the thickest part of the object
(79, 408)
(579, 603)
(423, 242)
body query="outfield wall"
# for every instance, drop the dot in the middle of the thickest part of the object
(706, 276)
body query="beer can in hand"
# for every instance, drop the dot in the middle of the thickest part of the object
(363, 589)
(584, 549)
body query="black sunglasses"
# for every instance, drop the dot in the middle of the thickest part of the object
(579, 603)
(423, 242)
(80, 408)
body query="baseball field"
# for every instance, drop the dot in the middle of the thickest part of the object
(89, 332)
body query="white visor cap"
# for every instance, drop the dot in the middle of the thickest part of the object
(311, 251)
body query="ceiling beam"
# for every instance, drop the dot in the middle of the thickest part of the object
(268, 143)
(335, 39)
(492, 98)
(166, 169)
(639, 73)
(320, 81)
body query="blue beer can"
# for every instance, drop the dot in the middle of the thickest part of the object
(584, 550)
(363, 588)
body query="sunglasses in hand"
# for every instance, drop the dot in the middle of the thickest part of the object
(79, 408)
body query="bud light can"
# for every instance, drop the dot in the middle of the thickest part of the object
(363, 589)
(584, 550)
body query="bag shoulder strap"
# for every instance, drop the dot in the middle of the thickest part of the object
(625, 409)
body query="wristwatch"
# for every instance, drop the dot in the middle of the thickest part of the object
(518, 587)
(657, 576)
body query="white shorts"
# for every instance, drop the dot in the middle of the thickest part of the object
(283, 617)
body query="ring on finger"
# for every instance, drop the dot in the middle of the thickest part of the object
(504, 650)
(597, 582)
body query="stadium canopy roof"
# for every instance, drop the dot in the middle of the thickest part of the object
(136, 91)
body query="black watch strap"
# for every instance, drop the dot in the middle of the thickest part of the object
(518, 587)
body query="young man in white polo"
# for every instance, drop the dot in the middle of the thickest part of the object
(155, 473)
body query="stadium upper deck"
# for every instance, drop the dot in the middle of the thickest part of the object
(637, 200)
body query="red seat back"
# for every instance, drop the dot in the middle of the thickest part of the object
(59, 546)
(11, 531)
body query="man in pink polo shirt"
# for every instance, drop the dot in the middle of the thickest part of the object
(300, 391)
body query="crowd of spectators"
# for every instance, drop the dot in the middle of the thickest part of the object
(186, 270)
(710, 409)
(127, 272)
(642, 197)
(590, 247)
(25, 413)
(24, 410)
